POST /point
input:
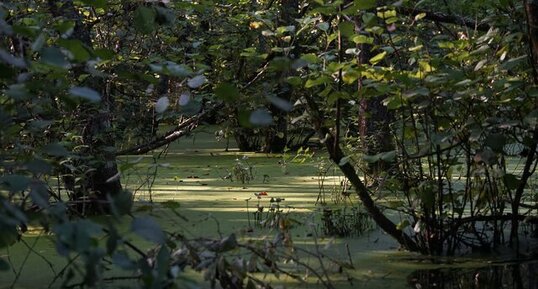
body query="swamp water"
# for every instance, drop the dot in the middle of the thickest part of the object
(507, 276)
(194, 174)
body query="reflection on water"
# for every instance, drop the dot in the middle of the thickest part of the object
(508, 276)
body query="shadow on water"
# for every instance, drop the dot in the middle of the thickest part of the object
(506, 276)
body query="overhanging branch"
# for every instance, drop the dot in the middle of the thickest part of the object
(180, 130)
(444, 18)
(338, 157)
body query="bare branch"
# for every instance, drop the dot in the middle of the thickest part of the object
(180, 130)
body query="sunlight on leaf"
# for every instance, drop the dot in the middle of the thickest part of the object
(374, 60)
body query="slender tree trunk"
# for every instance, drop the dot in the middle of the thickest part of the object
(531, 10)
(277, 136)
(337, 156)
(104, 179)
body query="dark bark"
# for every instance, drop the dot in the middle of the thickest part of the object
(277, 135)
(444, 18)
(104, 179)
(531, 9)
(247, 139)
(337, 156)
(374, 117)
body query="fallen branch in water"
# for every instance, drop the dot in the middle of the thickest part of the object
(182, 129)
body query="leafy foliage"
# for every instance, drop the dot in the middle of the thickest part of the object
(432, 108)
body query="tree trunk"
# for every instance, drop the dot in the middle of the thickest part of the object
(531, 9)
(277, 135)
(374, 117)
(337, 156)
(104, 179)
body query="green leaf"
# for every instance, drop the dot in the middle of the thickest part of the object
(324, 26)
(243, 118)
(420, 16)
(144, 19)
(226, 244)
(113, 240)
(420, 90)
(480, 64)
(149, 229)
(496, 142)
(393, 102)
(514, 62)
(85, 93)
(192, 107)
(4, 265)
(371, 158)
(78, 236)
(426, 194)
(227, 92)
(362, 39)
(284, 29)
(40, 195)
(261, 117)
(511, 181)
(374, 60)
(165, 16)
(123, 261)
(9, 235)
(105, 54)
(55, 150)
(39, 166)
(162, 104)
(365, 4)
(486, 156)
(369, 19)
(39, 42)
(416, 48)
(15, 183)
(310, 58)
(197, 81)
(344, 161)
(403, 224)
(294, 80)
(317, 81)
(95, 3)
(388, 156)
(65, 28)
(10, 59)
(464, 82)
(346, 28)
(76, 48)
(6, 72)
(54, 57)
(121, 203)
(280, 103)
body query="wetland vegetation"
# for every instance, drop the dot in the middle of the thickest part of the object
(268, 144)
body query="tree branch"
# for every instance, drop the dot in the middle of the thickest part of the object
(444, 18)
(180, 130)
(337, 156)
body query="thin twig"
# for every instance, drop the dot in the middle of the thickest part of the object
(18, 275)
(51, 266)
